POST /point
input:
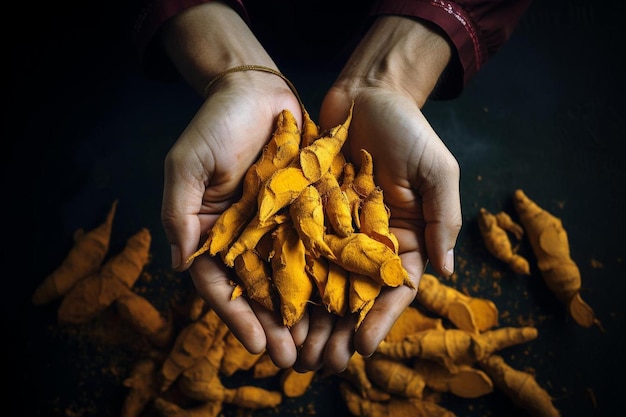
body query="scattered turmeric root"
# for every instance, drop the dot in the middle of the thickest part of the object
(455, 347)
(521, 387)
(83, 259)
(493, 229)
(97, 292)
(550, 244)
(465, 312)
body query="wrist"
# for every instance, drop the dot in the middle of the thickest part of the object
(208, 39)
(397, 52)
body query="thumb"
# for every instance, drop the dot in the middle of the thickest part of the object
(180, 207)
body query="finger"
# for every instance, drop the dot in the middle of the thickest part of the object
(213, 285)
(300, 330)
(340, 346)
(442, 214)
(182, 197)
(388, 306)
(280, 345)
(311, 352)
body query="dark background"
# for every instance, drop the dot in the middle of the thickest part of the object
(84, 127)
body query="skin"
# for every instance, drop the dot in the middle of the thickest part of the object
(389, 76)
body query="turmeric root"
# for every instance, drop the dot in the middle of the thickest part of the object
(454, 347)
(191, 344)
(307, 215)
(395, 377)
(169, 409)
(465, 312)
(142, 387)
(466, 382)
(250, 237)
(255, 275)
(521, 387)
(412, 321)
(246, 396)
(145, 319)
(336, 205)
(196, 380)
(550, 244)
(374, 219)
(362, 407)
(290, 279)
(236, 357)
(295, 384)
(492, 229)
(361, 254)
(83, 259)
(363, 182)
(94, 294)
(282, 148)
(335, 291)
(356, 373)
(284, 186)
(361, 295)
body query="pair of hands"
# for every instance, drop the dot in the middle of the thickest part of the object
(418, 175)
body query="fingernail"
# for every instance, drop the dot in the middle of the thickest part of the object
(175, 256)
(448, 265)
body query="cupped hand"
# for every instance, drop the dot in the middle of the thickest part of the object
(203, 174)
(420, 182)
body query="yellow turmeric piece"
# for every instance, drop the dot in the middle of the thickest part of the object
(395, 377)
(145, 319)
(245, 396)
(396, 406)
(142, 388)
(307, 216)
(361, 295)
(236, 357)
(335, 204)
(494, 233)
(354, 199)
(455, 347)
(361, 254)
(295, 384)
(255, 275)
(521, 387)
(265, 367)
(363, 182)
(289, 275)
(94, 294)
(374, 219)
(466, 382)
(356, 374)
(410, 321)
(191, 344)
(550, 244)
(335, 291)
(465, 312)
(284, 186)
(83, 259)
(196, 380)
(310, 129)
(167, 408)
(282, 148)
(250, 237)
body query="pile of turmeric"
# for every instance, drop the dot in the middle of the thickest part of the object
(327, 221)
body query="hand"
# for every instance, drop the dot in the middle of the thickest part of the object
(205, 167)
(420, 181)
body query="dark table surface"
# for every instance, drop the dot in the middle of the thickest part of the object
(84, 128)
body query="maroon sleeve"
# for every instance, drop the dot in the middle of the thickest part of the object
(152, 16)
(476, 29)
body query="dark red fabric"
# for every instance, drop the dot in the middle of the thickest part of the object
(475, 28)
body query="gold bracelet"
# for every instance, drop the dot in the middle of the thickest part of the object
(207, 88)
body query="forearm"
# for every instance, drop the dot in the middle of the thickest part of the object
(399, 52)
(207, 39)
